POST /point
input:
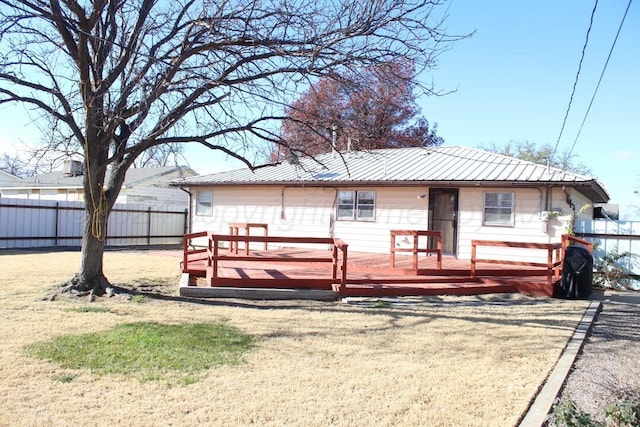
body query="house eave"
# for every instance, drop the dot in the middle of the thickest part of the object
(591, 189)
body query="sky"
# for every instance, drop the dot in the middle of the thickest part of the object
(512, 81)
(514, 77)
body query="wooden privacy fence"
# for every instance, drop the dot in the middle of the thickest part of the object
(49, 223)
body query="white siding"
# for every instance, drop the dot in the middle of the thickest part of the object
(528, 227)
(291, 212)
(396, 209)
(310, 212)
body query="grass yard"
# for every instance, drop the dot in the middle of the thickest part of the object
(449, 361)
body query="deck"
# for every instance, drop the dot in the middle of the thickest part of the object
(316, 273)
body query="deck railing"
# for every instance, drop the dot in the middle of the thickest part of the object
(338, 259)
(189, 251)
(553, 266)
(415, 249)
(568, 240)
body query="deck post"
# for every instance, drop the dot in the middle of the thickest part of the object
(560, 263)
(343, 277)
(550, 268)
(209, 250)
(473, 258)
(214, 257)
(185, 253)
(392, 245)
(334, 268)
(415, 251)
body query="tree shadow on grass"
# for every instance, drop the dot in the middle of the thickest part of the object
(423, 309)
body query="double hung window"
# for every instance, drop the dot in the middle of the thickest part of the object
(356, 205)
(204, 202)
(498, 209)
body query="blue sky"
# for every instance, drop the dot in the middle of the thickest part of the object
(513, 80)
(514, 77)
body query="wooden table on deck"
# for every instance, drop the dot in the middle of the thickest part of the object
(415, 249)
(234, 230)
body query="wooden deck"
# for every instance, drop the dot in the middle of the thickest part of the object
(369, 275)
(217, 271)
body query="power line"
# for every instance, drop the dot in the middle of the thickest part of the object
(600, 79)
(575, 83)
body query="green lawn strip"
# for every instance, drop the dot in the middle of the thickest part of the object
(89, 309)
(148, 351)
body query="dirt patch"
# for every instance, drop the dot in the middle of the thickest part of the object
(410, 361)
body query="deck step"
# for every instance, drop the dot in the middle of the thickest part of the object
(258, 293)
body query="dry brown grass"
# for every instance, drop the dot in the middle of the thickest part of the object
(473, 361)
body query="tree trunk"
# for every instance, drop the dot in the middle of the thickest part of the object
(90, 277)
(98, 200)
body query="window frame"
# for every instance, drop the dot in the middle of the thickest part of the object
(358, 206)
(499, 206)
(200, 203)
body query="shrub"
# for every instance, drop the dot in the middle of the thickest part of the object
(610, 271)
(622, 413)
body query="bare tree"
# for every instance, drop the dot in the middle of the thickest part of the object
(527, 150)
(120, 77)
(162, 155)
(29, 162)
(13, 164)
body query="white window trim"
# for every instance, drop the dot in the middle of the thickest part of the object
(200, 203)
(511, 222)
(355, 207)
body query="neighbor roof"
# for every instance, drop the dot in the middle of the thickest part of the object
(8, 177)
(443, 166)
(58, 179)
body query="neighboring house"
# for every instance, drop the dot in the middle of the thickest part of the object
(141, 185)
(6, 177)
(360, 196)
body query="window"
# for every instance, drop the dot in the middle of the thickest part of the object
(357, 205)
(498, 209)
(204, 205)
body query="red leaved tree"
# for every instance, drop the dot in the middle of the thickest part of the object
(372, 108)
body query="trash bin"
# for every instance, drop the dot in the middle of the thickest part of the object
(577, 274)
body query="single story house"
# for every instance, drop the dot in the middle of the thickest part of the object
(463, 192)
(141, 185)
(7, 177)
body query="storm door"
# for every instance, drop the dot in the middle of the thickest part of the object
(443, 216)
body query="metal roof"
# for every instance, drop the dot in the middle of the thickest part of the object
(444, 165)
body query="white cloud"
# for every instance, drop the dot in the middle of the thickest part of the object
(625, 155)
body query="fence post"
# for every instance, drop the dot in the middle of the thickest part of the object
(57, 232)
(149, 226)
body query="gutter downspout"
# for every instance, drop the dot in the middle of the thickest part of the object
(572, 220)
